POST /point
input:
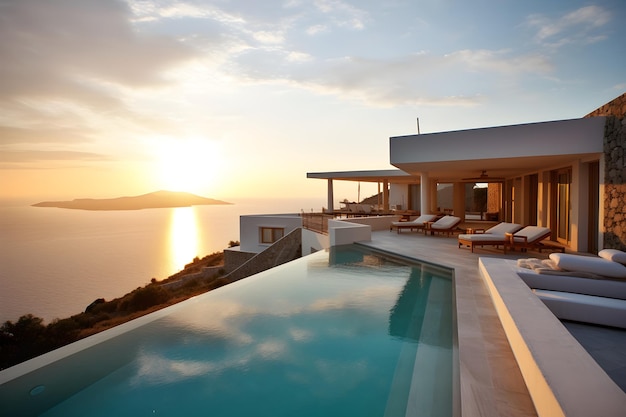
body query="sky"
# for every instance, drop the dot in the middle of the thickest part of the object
(240, 99)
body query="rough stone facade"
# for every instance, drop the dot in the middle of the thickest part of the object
(234, 259)
(614, 172)
(284, 250)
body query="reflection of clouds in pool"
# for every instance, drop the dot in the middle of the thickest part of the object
(300, 335)
(271, 349)
(365, 298)
(154, 369)
(254, 330)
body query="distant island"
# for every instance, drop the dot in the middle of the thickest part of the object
(158, 199)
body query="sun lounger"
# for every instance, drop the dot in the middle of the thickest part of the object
(494, 236)
(446, 225)
(599, 287)
(585, 308)
(560, 282)
(529, 237)
(417, 224)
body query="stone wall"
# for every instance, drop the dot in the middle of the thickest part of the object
(284, 250)
(614, 172)
(233, 259)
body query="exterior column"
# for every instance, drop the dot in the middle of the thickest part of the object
(386, 195)
(425, 194)
(458, 200)
(330, 197)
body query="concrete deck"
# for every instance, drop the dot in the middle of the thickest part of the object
(491, 380)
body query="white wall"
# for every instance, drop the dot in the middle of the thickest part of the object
(344, 233)
(375, 222)
(312, 242)
(249, 229)
(528, 140)
(398, 195)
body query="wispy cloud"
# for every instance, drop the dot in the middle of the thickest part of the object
(576, 27)
(149, 10)
(343, 14)
(407, 80)
(68, 66)
(13, 156)
(47, 135)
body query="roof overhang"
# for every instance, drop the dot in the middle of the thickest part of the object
(506, 151)
(391, 175)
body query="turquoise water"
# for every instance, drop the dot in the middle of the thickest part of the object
(339, 333)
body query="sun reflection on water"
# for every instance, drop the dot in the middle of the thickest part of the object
(183, 237)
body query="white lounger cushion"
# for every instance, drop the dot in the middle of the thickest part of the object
(610, 288)
(613, 255)
(484, 237)
(585, 308)
(503, 228)
(532, 233)
(445, 222)
(419, 221)
(591, 264)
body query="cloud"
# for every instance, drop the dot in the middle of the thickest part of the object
(11, 157)
(146, 11)
(576, 27)
(415, 79)
(17, 135)
(343, 14)
(76, 60)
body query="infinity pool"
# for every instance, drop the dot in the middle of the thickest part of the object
(345, 332)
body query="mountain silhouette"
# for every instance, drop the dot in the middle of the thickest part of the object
(158, 199)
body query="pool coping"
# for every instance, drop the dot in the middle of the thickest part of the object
(549, 357)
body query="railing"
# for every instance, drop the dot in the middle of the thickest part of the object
(317, 222)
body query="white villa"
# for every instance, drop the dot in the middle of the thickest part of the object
(567, 175)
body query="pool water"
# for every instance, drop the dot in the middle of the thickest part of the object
(345, 332)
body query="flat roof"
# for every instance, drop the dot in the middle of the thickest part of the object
(366, 175)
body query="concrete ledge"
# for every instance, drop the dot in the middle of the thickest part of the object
(561, 377)
(344, 233)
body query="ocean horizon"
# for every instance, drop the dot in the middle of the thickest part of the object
(55, 262)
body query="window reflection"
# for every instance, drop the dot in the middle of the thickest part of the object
(183, 237)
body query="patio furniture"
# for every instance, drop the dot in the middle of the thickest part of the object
(529, 237)
(446, 225)
(418, 223)
(495, 236)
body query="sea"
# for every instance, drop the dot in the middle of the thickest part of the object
(55, 262)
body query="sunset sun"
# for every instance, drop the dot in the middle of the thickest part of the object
(190, 164)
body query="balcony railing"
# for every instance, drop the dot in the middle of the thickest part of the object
(317, 222)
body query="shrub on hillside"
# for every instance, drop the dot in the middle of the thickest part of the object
(144, 298)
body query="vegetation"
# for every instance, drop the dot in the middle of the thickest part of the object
(29, 336)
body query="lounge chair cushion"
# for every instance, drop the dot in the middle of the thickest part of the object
(425, 218)
(585, 308)
(495, 234)
(446, 222)
(600, 266)
(418, 221)
(483, 237)
(532, 233)
(502, 228)
(613, 255)
(605, 287)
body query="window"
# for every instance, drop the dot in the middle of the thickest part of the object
(271, 234)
